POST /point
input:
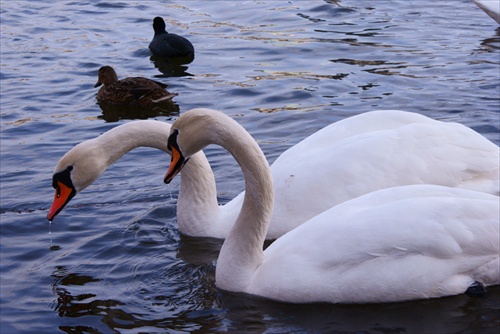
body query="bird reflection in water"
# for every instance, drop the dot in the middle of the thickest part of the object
(172, 67)
(114, 113)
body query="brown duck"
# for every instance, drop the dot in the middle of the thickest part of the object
(133, 91)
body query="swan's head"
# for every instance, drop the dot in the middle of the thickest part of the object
(189, 134)
(178, 159)
(75, 171)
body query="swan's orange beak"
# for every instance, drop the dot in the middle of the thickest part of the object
(62, 196)
(176, 163)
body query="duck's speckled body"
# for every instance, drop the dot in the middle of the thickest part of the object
(132, 91)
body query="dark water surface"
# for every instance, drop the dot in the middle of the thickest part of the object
(113, 261)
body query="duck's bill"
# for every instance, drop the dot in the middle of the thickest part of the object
(62, 196)
(176, 163)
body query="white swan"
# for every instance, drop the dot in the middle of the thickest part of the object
(395, 244)
(85, 162)
(343, 160)
(490, 7)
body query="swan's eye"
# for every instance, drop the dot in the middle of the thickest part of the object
(64, 177)
(172, 140)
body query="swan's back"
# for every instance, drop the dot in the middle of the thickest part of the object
(402, 243)
(373, 151)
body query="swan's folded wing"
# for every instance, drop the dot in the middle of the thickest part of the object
(394, 244)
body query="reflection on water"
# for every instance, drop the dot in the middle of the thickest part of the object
(238, 312)
(430, 316)
(115, 261)
(199, 251)
(492, 43)
(166, 311)
(171, 67)
(114, 113)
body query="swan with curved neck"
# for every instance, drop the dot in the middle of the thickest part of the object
(85, 162)
(351, 157)
(380, 247)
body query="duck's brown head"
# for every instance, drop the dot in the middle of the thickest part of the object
(106, 76)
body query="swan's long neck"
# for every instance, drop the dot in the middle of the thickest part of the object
(197, 211)
(122, 139)
(92, 157)
(242, 251)
(197, 196)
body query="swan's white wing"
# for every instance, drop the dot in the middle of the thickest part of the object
(394, 244)
(347, 159)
